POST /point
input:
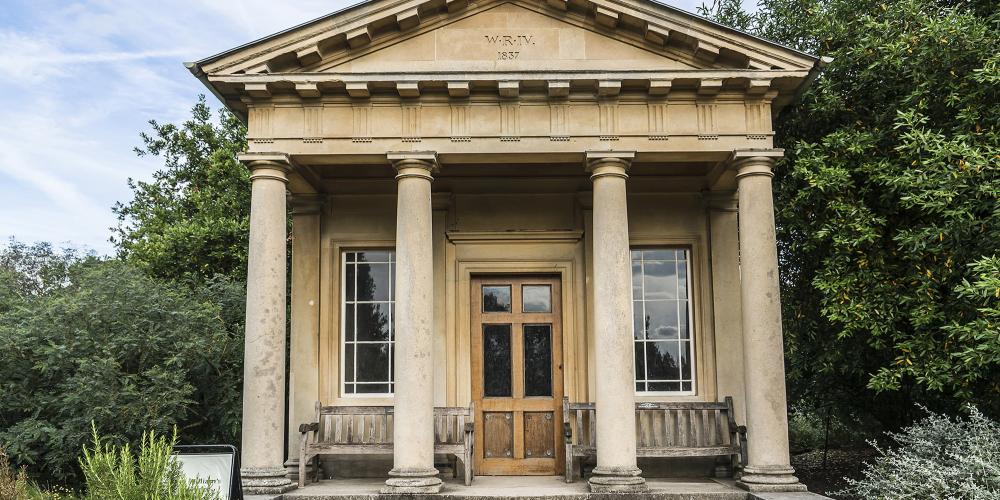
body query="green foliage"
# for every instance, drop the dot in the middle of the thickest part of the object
(810, 428)
(102, 342)
(887, 202)
(937, 457)
(191, 221)
(113, 472)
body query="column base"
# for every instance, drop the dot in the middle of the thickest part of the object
(292, 471)
(265, 480)
(412, 481)
(617, 480)
(768, 478)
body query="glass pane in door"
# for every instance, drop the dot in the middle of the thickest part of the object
(496, 361)
(538, 360)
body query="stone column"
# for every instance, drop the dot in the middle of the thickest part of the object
(617, 469)
(303, 367)
(264, 354)
(769, 468)
(413, 433)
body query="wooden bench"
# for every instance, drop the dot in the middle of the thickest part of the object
(344, 430)
(688, 429)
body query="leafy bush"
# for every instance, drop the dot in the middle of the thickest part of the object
(938, 457)
(818, 428)
(99, 341)
(115, 473)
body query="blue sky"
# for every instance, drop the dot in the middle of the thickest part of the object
(80, 79)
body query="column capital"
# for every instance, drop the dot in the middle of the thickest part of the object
(608, 163)
(749, 162)
(414, 164)
(306, 204)
(720, 201)
(275, 166)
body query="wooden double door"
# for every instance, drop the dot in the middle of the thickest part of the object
(517, 374)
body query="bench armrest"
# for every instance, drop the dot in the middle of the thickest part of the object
(470, 427)
(312, 427)
(567, 432)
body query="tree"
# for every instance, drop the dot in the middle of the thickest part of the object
(191, 222)
(102, 342)
(887, 201)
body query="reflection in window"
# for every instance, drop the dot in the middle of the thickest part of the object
(368, 311)
(496, 361)
(538, 360)
(536, 298)
(496, 298)
(661, 325)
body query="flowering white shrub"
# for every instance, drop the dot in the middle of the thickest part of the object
(936, 458)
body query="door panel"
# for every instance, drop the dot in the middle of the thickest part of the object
(517, 374)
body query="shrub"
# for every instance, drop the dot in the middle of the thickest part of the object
(113, 472)
(938, 457)
(99, 341)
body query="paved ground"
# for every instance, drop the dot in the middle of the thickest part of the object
(540, 487)
(552, 487)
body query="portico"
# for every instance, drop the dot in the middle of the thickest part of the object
(505, 202)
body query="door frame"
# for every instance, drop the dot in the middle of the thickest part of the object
(519, 463)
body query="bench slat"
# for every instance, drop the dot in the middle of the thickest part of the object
(678, 451)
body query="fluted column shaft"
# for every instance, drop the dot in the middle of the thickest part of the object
(413, 435)
(616, 470)
(264, 353)
(769, 468)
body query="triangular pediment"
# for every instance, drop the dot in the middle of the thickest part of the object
(509, 37)
(412, 35)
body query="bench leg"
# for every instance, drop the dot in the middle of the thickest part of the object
(303, 457)
(569, 466)
(467, 465)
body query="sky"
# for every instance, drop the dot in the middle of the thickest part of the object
(79, 80)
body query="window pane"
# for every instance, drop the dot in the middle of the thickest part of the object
(659, 254)
(682, 325)
(496, 361)
(349, 282)
(685, 348)
(664, 386)
(536, 298)
(373, 388)
(496, 298)
(349, 325)
(640, 361)
(682, 279)
(373, 282)
(373, 322)
(659, 280)
(374, 256)
(662, 361)
(349, 388)
(661, 319)
(636, 279)
(537, 360)
(686, 386)
(638, 322)
(373, 362)
(349, 363)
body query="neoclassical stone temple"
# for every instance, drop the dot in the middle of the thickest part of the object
(504, 202)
